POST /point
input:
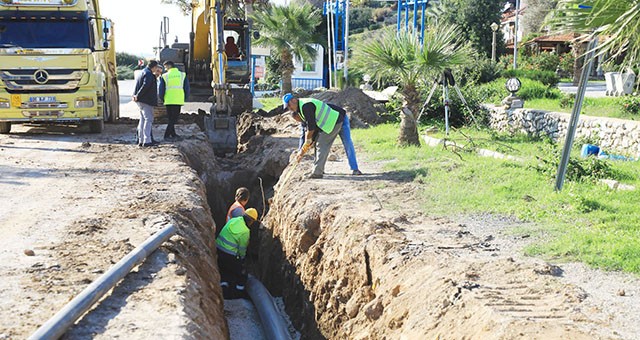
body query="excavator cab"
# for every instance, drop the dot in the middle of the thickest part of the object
(209, 51)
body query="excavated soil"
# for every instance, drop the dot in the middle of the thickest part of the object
(73, 205)
(363, 110)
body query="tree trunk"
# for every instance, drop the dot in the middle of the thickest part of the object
(408, 123)
(287, 70)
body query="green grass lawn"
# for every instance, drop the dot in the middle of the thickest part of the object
(270, 103)
(597, 107)
(587, 221)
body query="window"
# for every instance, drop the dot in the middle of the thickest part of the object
(309, 66)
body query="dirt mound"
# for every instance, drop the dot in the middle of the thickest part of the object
(363, 110)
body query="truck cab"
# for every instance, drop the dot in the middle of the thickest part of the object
(57, 64)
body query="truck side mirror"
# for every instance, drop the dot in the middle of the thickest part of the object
(105, 30)
(256, 35)
(105, 45)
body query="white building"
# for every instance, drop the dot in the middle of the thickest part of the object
(309, 74)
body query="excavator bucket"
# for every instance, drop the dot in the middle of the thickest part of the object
(222, 134)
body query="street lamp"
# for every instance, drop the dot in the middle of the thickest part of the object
(494, 28)
(513, 102)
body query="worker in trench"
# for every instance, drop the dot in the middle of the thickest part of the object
(232, 246)
(237, 208)
(321, 123)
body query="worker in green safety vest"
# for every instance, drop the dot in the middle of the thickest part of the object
(232, 246)
(323, 122)
(173, 91)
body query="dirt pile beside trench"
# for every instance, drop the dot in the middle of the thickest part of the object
(353, 260)
(97, 199)
(363, 110)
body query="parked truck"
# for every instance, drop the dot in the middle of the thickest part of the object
(57, 64)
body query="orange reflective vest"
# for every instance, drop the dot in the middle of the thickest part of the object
(233, 207)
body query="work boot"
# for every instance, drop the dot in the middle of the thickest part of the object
(315, 176)
(356, 172)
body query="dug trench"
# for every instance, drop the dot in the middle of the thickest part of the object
(353, 258)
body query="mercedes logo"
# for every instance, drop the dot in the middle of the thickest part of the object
(41, 76)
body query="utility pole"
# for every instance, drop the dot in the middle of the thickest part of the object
(515, 37)
(575, 114)
(494, 28)
(346, 42)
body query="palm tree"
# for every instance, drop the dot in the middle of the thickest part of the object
(618, 20)
(399, 57)
(290, 32)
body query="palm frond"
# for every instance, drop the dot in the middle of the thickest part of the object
(616, 21)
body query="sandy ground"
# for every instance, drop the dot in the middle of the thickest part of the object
(75, 203)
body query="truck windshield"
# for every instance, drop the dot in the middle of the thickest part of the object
(44, 34)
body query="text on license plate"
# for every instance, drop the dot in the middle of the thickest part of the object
(42, 99)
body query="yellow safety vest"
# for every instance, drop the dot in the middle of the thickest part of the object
(174, 87)
(234, 237)
(326, 117)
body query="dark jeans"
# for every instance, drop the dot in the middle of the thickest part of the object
(232, 270)
(173, 112)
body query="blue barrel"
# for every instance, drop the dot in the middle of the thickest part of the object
(589, 149)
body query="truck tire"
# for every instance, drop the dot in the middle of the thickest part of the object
(96, 126)
(5, 127)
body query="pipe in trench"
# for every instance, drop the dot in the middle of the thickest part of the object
(272, 322)
(59, 323)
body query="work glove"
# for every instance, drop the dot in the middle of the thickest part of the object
(305, 148)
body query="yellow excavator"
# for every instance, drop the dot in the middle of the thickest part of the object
(218, 58)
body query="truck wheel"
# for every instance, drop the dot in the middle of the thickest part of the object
(96, 126)
(5, 128)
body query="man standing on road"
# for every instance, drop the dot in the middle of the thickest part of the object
(322, 122)
(146, 97)
(232, 246)
(174, 89)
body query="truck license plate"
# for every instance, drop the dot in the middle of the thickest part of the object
(42, 99)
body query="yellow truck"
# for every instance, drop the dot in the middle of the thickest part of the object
(57, 64)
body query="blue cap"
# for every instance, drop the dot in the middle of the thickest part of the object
(285, 100)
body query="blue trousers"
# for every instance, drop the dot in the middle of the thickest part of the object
(345, 137)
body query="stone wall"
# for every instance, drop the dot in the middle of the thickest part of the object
(608, 133)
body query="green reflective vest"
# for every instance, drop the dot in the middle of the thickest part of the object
(234, 237)
(325, 116)
(174, 87)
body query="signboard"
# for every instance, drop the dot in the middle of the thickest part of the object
(259, 72)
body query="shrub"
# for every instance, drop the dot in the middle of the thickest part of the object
(546, 77)
(578, 169)
(495, 91)
(458, 113)
(125, 72)
(567, 62)
(481, 72)
(567, 100)
(630, 105)
(542, 62)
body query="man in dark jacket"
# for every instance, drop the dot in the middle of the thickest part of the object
(146, 96)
